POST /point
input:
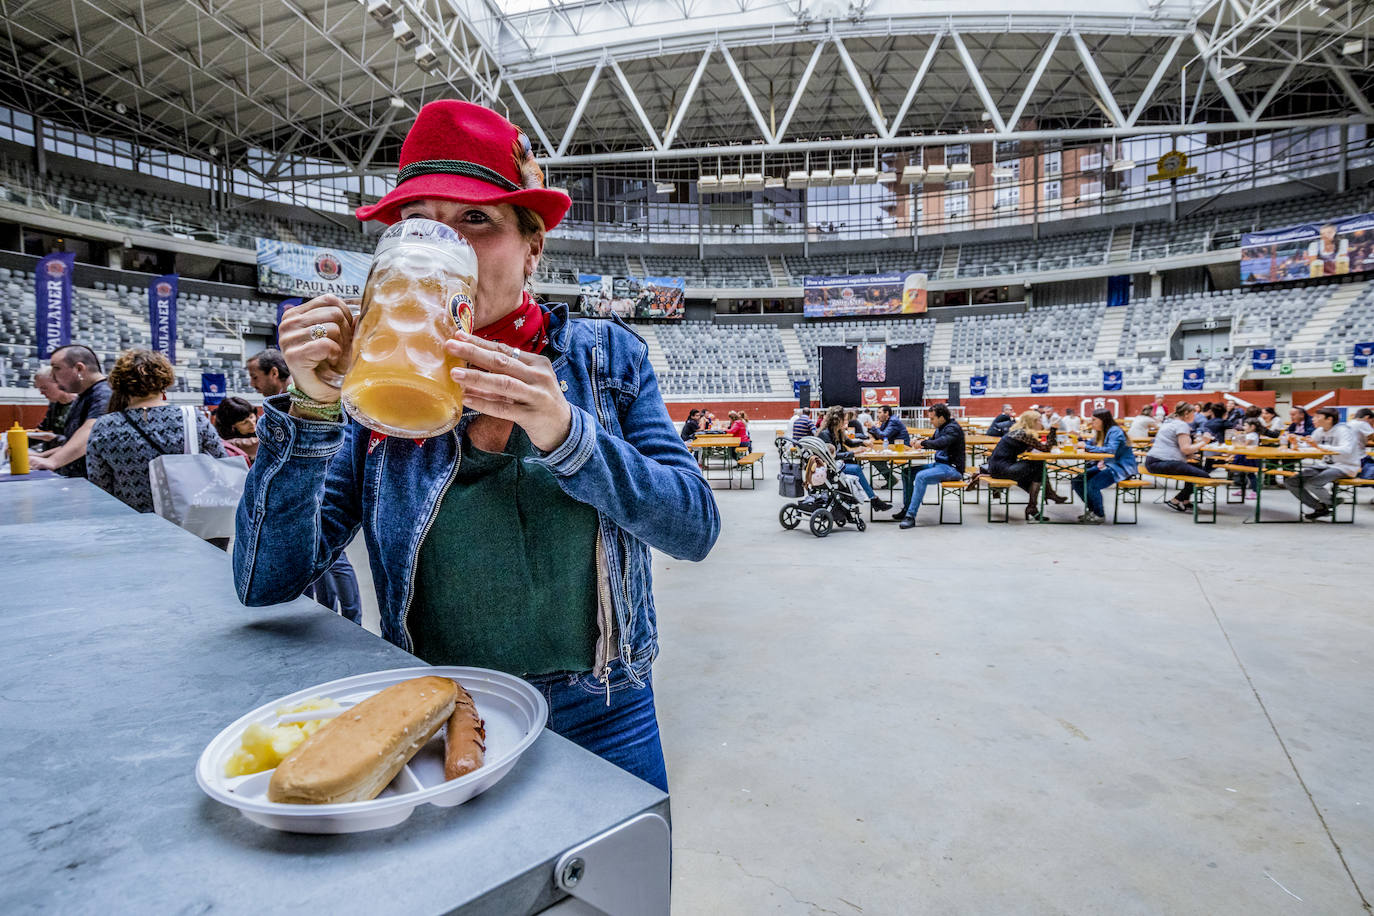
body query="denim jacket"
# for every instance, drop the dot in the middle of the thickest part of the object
(314, 484)
(1122, 460)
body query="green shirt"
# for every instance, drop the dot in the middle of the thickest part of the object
(506, 577)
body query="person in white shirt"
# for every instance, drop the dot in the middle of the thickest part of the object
(1311, 483)
(1157, 408)
(1070, 423)
(1143, 425)
(1363, 424)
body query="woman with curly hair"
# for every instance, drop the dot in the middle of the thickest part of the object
(139, 427)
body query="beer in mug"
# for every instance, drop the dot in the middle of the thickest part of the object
(418, 295)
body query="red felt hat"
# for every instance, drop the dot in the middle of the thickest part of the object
(464, 152)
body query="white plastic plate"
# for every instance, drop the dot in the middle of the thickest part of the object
(514, 713)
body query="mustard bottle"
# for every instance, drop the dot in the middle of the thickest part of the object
(19, 449)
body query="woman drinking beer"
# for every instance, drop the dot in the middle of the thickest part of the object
(520, 539)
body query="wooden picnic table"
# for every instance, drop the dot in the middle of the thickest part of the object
(1264, 455)
(1046, 458)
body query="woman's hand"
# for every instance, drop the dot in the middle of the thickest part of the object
(39, 464)
(510, 384)
(316, 338)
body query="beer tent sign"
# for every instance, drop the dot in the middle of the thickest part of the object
(289, 269)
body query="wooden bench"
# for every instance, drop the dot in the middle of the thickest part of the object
(1131, 488)
(957, 488)
(753, 463)
(1205, 487)
(1233, 488)
(1350, 483)
(1003, 486)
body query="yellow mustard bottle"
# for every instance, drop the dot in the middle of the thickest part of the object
(19, 449)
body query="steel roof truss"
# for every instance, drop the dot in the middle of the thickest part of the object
(530, 118)
(1223, 83)
(1149, 91)
(801, 88)
(879, 123)
(1352, 92)
(748, 95)
(690, 94)
(1104, 92)
(1274, 88)
(1050, 47)
(633, 98)
(916, 82)
(977, 79)
(581, 107)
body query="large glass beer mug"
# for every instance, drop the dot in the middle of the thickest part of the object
(418, 293)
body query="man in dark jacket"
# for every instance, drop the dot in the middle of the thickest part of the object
(891, 429)
(948, 445)
(1002, 422)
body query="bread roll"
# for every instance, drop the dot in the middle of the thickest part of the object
(355, 756)
(465, 741)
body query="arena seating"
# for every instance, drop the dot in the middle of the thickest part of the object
(1283, 311)
(1048, 253)
(707, 359)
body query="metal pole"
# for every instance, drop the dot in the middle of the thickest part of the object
(1343, 169)
(806, 223)
(596, 215)
(1035, 195)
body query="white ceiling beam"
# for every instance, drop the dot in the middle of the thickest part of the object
(1153, 84)
(687, 97)
(1035, 79)
(977, 79)
(1106, 99)
(378, 137)
(801, 88)
(1274, 88)
(1352, 92)
(1224, 84)
(581, 107)
(748, 96)
(916, 82)
(633, 99)
(530, 119)
(879, 123)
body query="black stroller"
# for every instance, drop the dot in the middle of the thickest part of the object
(830, 497)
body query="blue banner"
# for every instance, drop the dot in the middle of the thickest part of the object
(212, 387)
(162, 315)
(1111, 380)
(53, 292)
(1262, 357)
(289, 269)
(1194, 379)
(895, 293)
(796, 386)
(1040, 382)
(282, 306)
(1363, 353)
(977, 385)
(1118, 290)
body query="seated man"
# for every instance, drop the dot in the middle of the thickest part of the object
(948, 443)
(889, 429)
(801, 424)
(77, 371)
(1002, 422)
(48, 433)
(1310, 484)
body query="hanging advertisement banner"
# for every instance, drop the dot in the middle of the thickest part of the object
(864, 294)
(53, 293)
(212, 386)
(872, 362)
(602, 295)
(1262, 358)
(878, 397)
(290, 269)
(977, 385)
(1111, 380)
(1363, 353)
(1334, 248)
(1194, 379)
(1040, 383)
(162, 315)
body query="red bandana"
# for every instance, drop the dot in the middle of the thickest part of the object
(526, 328)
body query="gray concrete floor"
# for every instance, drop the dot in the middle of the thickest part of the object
(1165, 718)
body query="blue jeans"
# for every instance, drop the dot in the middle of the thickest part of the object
(863, 479)
(914, 485)
(624, 733)
(337, 590)
(1091, 485)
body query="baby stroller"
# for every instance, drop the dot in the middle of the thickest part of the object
(831, 498)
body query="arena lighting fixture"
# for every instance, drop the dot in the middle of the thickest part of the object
(398, 102)
(842, 177)
(425, 58)
(382, 11)
(1234, 70)
(730, 182)
(1352, 47)
(887, 178)
(1003, 174)
(1123, 165)
(913, 174)
(404, 35)
(773, 181)
(866, 175)
(664, 187)
(753, 181)
(798, 179)
(708, 184)
(960, 171)
(937, 173)
(820, 178)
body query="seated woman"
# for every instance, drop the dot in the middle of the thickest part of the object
(1299, 422)
(833, 435)
(1109, 439)
(1005, 461)
(1174, 444)
(1249, 436)
(235, 420)
(739, 429)
(139, 427)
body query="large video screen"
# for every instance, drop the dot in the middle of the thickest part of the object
(1340, 246)
(631, 297)
(864, 294)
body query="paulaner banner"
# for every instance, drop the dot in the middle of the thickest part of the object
(1194, 379)
(1040, 383)
(289, 269)
(1111, 380)
(212, 385)
(162, 315)
(1262, 357)
(977, 385)
(53, 292)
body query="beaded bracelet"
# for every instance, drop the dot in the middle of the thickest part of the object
(312, 409)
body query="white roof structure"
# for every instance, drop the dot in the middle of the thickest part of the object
(632, 80)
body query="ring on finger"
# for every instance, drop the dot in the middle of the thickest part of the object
(318, 330)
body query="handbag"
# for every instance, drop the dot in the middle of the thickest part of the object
(192, 490)
(790, 480)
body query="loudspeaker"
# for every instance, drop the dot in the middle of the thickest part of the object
(953, 394)
(804, 395)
